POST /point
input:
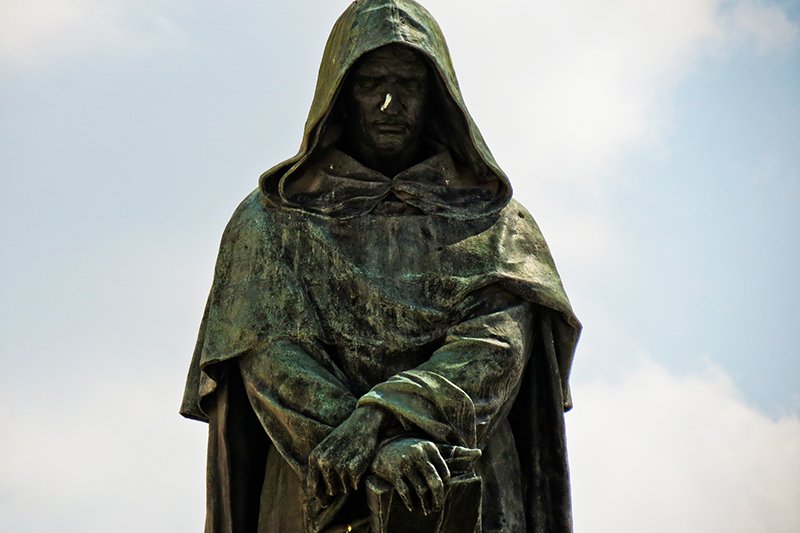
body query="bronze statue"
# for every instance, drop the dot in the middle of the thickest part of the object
(387, 344)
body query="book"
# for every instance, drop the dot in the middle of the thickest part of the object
(461, 512)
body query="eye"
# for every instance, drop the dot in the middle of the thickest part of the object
(412, 84)
(367, 82)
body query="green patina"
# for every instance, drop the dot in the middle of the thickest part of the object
(429, 297)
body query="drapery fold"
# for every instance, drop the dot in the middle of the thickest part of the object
(376, 322)
(362, 287)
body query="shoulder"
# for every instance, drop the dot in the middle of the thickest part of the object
(251, 223)
(252, 214)
(521, 233)
(515, 215)
(248, 211)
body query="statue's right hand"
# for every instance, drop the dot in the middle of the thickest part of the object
(416, 464)
(339, 461)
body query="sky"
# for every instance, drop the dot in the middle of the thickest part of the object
(656, 142)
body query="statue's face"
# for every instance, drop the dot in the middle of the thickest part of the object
(388, 91)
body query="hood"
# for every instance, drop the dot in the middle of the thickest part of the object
(365, 26)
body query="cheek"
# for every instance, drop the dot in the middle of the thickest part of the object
(416, 109)
(362, 108)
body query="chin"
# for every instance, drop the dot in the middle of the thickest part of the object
(391, 146)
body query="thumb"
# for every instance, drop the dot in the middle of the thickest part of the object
(465, 454)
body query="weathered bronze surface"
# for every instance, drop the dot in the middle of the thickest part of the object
(387, 344)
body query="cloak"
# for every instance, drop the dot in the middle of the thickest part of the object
(330, 273)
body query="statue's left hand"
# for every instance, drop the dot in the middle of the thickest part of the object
(339, 461)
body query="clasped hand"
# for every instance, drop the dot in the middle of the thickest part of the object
(417, 465)
(339, 461)
(409, 464)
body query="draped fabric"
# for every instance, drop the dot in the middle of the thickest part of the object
(413, 313)
(431, 294)
(338, 186)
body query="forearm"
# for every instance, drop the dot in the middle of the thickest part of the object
(468, 384)
(298, 399)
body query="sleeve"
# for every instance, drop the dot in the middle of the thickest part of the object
(298, 395)
(469, 383)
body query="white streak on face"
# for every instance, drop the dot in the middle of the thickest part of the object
(386, 103)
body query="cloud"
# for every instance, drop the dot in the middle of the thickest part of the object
(761, 25)
(35, 33)
(590, 79)
(99, 455)
(564, 91)
(659, 452)
(652, 451)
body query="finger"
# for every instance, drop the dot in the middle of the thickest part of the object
(353, 473)
(330, 481)
(434, 483)
(314, 480)
(340, 480)
(459, 461)
(438, 462)
(354, 478)
(344, 481)
(420, 487)
(468, 454)
(402, 490)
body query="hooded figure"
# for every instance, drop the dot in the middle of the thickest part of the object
(357, 311)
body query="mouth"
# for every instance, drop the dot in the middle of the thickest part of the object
(389, 127)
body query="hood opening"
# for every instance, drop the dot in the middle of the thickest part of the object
(366, 26)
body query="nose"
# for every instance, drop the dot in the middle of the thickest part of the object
(386, 103)
(390, 105)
